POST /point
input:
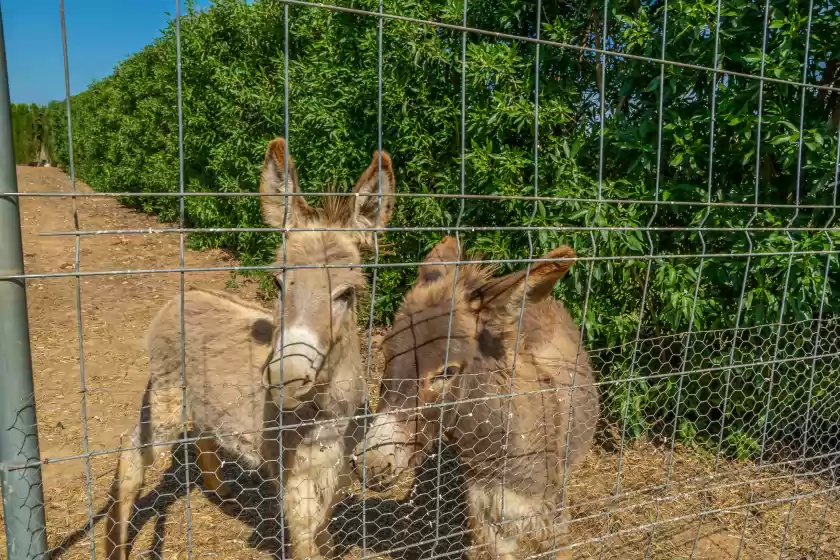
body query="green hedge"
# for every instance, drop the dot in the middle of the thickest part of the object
(125, 140)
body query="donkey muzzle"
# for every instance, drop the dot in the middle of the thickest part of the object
(291, 374)
(385, 453)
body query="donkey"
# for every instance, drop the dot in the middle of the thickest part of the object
(520, 413)
(248, 370)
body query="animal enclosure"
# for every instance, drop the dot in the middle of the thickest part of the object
(608, 228)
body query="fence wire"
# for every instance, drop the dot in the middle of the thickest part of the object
(452, 396)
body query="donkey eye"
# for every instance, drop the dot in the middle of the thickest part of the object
(448, 372)
(278, 282)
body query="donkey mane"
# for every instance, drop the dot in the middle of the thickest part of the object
(340, 212)
(335, 212)
(499, 329)
(336, 216)
(470, 277)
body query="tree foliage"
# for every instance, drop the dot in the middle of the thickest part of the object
(665, 285)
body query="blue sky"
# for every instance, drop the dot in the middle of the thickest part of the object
(100, 33)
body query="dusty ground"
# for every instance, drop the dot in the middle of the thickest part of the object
(648, 519)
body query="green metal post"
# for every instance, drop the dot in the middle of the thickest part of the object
(23, 494)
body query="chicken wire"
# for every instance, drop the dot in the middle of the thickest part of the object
(428, 517)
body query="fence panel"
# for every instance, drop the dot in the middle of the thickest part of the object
(579, 302)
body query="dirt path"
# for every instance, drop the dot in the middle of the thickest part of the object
(116, 311)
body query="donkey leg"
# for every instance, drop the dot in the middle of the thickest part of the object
(131, 467)
(554, 538)
(156, 423)
(510, 525)
(317, 472)
(540, 531)
(487, 540)
(211, 467)
(559, 538)
(500, 545)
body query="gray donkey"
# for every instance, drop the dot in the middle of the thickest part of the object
(519, 413)
(248, 371)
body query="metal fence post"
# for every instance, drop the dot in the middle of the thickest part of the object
(23, 494)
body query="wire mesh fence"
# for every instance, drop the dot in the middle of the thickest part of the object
(578, 303)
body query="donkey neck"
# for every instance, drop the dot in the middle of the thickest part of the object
(478, 400)
(483, 423)
(327, 414)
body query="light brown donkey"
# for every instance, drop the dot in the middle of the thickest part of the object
(520, 412)
(248, 370)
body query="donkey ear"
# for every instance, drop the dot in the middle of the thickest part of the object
(510, 289)
(374, 199)
(279, 176)
(445, 251)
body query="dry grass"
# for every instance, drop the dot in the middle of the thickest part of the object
(647, 515)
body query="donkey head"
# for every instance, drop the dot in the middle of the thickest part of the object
(450, 327)
(319, 274)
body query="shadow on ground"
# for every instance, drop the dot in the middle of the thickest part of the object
(403, 529)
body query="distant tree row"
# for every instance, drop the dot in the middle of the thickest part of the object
(30, 133)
